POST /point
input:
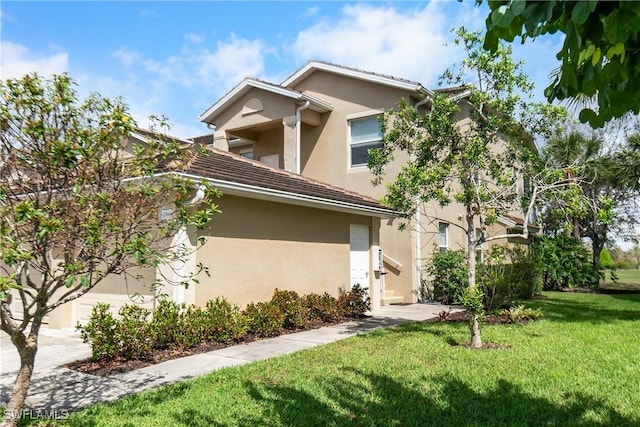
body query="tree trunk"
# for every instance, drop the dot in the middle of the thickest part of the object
(27, 348)
(474, 325)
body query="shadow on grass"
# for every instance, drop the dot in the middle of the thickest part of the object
(593, 308)
(137, 406)
(373, 399)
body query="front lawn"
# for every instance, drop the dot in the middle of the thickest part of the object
(628, 280)
(578, 366)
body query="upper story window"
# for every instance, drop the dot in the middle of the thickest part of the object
(365, 134)
(443, 236)
(247, 153)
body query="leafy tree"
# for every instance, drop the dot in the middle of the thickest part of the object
(606, 261)
(566, 263)
(626, 164)
(598, 56)
(478, 163)
(634, 253)
(608, 201)
(77, 204)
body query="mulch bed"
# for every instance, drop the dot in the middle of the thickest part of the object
(489, 319)
(104, 368)
(463, 316)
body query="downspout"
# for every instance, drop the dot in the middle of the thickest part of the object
(418, 234)
(213, 135)
(298, 126)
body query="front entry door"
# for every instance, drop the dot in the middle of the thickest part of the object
(359, 248)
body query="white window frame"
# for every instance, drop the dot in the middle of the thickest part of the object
(247, 153)
(479, 247)
(443, 226)
(355, 117)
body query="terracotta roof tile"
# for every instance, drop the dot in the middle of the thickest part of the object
(225, 166)
(371, 73)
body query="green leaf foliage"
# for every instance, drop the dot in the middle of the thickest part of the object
(598, 56)
(448, 274)
(566, 263)
(80, 199)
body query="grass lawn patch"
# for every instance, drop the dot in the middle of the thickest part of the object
(628, 280)
(577, 366)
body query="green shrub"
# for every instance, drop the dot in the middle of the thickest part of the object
(449, 276)
(133, 331)
(355, 302)
(224, 322)
(110, 337)
(472, 300)
(165, 327)
(565, 261)
(193, 327)
(625, 264)
(293, 307)
(508, 275)
(322, 307)
(605, 259)
(265, 319)
(101, 333)
(519, 313)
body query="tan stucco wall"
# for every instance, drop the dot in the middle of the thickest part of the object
(275, 107)
(256, 246)
(325, 157)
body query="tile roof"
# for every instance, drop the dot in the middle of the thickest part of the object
(229, 167)
(357, 70)
(453, 90)
(314, 65)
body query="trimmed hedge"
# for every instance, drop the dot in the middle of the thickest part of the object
(137, 331)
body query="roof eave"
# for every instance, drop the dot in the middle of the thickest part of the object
(247, 84)
(269, 194)
(312, 66)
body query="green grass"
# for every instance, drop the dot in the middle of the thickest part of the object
(579, 366)
(628, 280)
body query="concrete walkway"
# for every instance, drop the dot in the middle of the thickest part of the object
(54, 388)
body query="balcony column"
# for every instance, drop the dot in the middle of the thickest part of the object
(220, 141)
(289, 142)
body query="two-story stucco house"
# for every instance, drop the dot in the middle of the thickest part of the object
(299, 211)
(319, 123)
(276, 229)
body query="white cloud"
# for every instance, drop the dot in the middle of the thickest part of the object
(232, 61)
(310, 12)
(126, 56)
(16, 60)
(409, 44)
(194, 38)
(189, 80)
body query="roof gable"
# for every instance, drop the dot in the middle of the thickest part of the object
(247, 84)
(313, 66)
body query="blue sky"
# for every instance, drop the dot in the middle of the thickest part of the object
(178, 58)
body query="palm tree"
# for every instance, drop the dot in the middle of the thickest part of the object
(583, 159)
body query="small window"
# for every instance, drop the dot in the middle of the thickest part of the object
(443, 236)
(479, 246)
(247, 153)
(365, 134)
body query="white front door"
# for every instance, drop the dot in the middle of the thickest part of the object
(359, 259)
